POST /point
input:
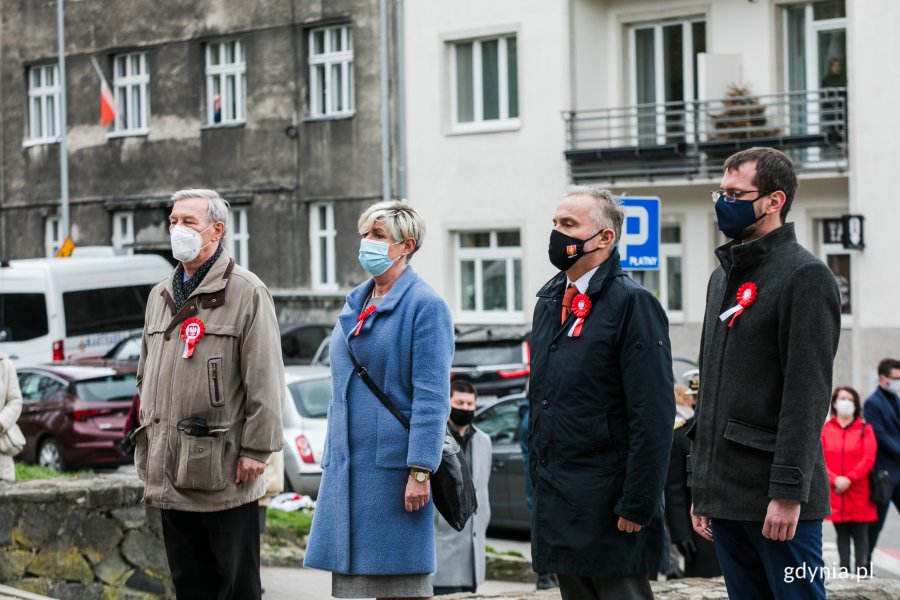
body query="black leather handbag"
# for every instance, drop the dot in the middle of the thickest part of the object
(451, 485)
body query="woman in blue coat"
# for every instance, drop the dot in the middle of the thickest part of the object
(373, 526)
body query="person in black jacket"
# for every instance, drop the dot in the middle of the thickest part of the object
(770, 335)
(600, 428)
(699, 555)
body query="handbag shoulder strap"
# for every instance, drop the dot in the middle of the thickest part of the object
(363, 374)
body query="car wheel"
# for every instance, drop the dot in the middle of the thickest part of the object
(50, 455)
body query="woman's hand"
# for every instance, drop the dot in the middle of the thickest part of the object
(841, 484)
(417, 494)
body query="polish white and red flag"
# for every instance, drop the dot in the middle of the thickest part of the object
(107, 100)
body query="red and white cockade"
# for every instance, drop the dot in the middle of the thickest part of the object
(581, 308)
(192, 331)
(746, 296)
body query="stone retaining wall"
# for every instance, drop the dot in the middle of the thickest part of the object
(82, 539)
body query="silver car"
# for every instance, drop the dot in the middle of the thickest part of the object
(304, 419)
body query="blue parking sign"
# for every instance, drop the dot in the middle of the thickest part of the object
(639, 246)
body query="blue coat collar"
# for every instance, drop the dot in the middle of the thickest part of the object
(357, 299)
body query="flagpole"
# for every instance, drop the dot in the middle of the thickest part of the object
(63, 126)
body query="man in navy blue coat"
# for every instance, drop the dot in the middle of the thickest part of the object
(882, 411)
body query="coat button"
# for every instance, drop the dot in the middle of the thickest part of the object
(543, 462)
(796, 476)
(193, 308)
(545, 404)
(554, 347)
(156, 420)
(167, 337)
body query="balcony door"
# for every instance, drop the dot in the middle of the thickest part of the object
(664, 81)
(816, 41)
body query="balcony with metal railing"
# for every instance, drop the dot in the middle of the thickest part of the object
(691, 140)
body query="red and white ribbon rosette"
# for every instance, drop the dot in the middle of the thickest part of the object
(581, 308)
(746, 295)
(192, 331)
(362, 318)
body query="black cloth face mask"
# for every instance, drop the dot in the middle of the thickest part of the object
(564, 250)
(461, 416)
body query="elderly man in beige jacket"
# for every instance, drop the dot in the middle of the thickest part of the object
(211, 381)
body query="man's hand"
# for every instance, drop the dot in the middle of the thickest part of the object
(248, 469)
(417, 494)
(841, 484)
(781, 519)
(701, 525)
(627, 526)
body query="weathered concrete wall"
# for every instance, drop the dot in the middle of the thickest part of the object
(82, 539)
(274, 164)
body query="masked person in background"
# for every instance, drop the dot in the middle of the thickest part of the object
(211, 385)
(882, 409)
(850, 448)
(602, 409)
(373, 527)
(461, 554)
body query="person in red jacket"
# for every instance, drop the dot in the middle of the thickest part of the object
(850, 448)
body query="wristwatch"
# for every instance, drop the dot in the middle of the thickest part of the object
(420, 476)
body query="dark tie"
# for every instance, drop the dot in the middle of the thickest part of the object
(571, 292)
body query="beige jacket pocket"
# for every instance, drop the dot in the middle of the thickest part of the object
(201, 462)
(141, 439)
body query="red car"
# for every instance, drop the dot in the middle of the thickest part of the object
(72, 416)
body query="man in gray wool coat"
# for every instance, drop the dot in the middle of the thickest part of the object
(770, 334)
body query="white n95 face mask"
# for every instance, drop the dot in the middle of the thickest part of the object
(844, 407)
(186, 243)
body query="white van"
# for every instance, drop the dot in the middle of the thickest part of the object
(59, 308)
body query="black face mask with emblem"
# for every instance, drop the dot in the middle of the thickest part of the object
(565, 250)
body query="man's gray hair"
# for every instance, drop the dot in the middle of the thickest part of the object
(607, 212)
(401, 219)
(216, 207)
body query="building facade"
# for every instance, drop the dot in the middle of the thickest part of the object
(277, 105)
(516, 100)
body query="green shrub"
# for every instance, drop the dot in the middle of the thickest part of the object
(291, 523)
(25, 472)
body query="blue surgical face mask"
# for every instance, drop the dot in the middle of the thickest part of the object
(736, 216)
(373, 256)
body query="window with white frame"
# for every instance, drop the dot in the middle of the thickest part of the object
(131, 82)
(838, 259)
(52, 236)
(331, 71)
(123, 231)
(237, 236)
(489, 273)
(226, 87)
(43, 103)
(666, 282)
(322, 234)
(485, 82)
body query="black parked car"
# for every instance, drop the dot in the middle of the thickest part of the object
(300, 341)
(500, 420)
(496, 360)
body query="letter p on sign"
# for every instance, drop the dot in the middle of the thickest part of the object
(639, 246)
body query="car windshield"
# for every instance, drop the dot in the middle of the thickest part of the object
(494, 353)
(311, 397)
(106, 389)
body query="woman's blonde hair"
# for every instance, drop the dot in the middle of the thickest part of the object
(402, 220)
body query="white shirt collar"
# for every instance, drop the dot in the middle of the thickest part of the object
(583, 281)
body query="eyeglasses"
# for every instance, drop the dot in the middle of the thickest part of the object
(734, 195)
